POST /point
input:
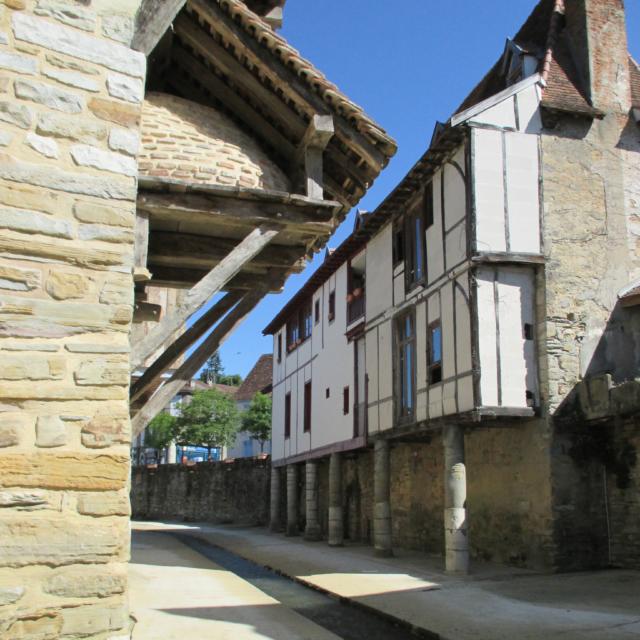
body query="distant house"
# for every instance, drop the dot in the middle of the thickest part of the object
(259, 380)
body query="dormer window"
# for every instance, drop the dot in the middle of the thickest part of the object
(517, 63)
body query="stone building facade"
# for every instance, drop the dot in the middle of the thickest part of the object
(71, 91)
(520, 426)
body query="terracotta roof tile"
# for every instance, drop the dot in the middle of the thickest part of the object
(259, 379)
(634, 73)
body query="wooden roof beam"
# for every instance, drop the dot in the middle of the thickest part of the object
(153, 18)
(196, 251)
(281, 76)
(178, 277)
(163, 396)
(205, 289)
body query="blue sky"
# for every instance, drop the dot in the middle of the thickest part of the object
(408, 64)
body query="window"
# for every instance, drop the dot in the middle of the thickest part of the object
(427, 205)
(434, 354)
(327, 393)
(317, 311)
(332, 306)
(280, 347)
(345, 401)
(528, 331)
(307, 406)
(398, 244)
(299, 327)
(287, 416)
(415, 249)
(405, 366)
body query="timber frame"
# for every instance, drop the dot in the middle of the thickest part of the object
(209, 239)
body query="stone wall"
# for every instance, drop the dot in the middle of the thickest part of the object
(221, 492)
(70, 93)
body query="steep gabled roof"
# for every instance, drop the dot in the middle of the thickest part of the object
(259, 379)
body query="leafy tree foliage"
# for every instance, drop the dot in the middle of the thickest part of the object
(257, 419)
(210, 420)
(213, 373)
(161, 431)
(233, 380)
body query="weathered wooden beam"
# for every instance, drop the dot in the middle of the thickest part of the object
(153, 18)
(310, 154)
(206, 288)
(182, 343)
(217, 88)
(178, 277)
(141, 247)
(162, 397)
(203, 252)
(285, 78)
(232, 212)
(187, 30)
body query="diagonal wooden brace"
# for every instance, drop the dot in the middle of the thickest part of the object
(162, 397)
(198, 295)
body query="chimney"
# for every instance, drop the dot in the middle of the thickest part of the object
(598, 40)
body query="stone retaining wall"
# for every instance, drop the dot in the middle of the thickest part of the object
(221, 492)
(70, 100)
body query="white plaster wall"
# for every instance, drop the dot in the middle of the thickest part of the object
(434, 234)
(379, 273)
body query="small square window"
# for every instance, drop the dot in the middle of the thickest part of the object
(316, 311)
(327, 393)
(280, 347)
(528, 331)
(398, 244)
(287, 416)
(345, 401)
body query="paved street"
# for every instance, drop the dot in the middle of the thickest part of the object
(494, 603)
(176, 593)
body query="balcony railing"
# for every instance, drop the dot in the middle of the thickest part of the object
(355, 309)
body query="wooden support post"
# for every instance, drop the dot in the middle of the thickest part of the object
(213, 282)
(153, 19)
(162, 397)
(141, 247)
(310, 152)
(179, 346)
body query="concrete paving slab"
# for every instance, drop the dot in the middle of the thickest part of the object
(494, 603)
(175, 593)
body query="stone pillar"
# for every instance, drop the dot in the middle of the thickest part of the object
(312, 528)
(292, 500)
(455, 497)
(336, 519)
(172, 453)
(382, 506)
(274, 505)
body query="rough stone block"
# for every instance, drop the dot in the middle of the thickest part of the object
(22, 499)
(10, 595)
(81, 472)
(125, 141)
(72, 79)
(5, 138)
(17, 279)
(92, 347)
(106, 430)
(72, 182)
(4, 38)
(49, 96)
(116, 293)
(125, 88)
(51, 431)
(103, 504)
(78, 129)
(18, 63)
(16, 114)
(87, 156)
(29, 198)
(105, 233)
(58, 540)
(91, 620)
(118, 27)
(123, 114)
(76, 583)
(65, 286)
(67, 13)
(102, 372)
(27, 367)
(97, 213)
(35, 625)
(62, 63)
(32, 222)
(68, 41)
(44, 146)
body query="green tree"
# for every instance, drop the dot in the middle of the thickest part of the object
(210, 420)
(160, 432)
(233, 379)
(212, 369)
(257, 419)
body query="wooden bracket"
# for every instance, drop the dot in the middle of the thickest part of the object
(309, 154)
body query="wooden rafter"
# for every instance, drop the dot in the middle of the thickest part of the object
(162, 397)
(180, 277)
(205, 289)
(182, 343)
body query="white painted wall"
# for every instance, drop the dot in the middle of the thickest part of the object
(379, 278)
